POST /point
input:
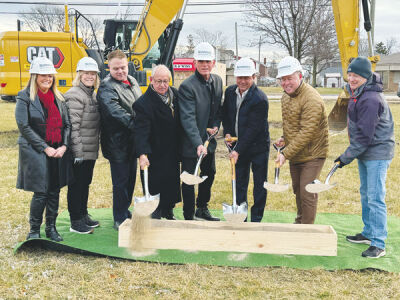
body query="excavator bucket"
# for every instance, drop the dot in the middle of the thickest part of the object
(337, 118)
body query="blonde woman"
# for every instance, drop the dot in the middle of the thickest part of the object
(43, 165)
(85, 121)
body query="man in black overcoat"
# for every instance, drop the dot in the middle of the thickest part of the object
(157, 134)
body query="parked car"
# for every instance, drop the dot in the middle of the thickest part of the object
(398, 91)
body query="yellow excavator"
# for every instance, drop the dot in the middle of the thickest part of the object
(347, 22)
(150, 40)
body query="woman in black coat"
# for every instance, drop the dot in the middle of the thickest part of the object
(156, 132)
(43, 165)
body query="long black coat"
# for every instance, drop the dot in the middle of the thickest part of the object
(157, 134)
(33, 169)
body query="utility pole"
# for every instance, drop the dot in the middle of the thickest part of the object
(236, 38)
(259, 55)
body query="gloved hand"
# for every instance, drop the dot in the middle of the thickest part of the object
(78, 160)
(341, 164)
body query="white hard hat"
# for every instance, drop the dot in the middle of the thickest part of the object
(287, 66)
(244, 67)
(42, 65)
(87, 64)
(204, 51)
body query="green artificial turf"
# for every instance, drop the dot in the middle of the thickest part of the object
(104, 242)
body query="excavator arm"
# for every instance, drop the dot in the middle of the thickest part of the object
(347, 22)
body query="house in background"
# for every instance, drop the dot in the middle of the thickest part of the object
(389, 69)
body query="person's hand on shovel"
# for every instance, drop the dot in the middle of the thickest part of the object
(234, 155)
(280, 158)
(212, 131)
(143, 161)
(280, 142)
(201, 149)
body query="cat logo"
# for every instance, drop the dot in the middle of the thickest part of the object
(52, 53)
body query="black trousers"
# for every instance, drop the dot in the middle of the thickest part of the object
(123, 175)
(78, 190)
(207, 168)
(259, 167)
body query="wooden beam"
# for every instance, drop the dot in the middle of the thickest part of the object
(273, 238)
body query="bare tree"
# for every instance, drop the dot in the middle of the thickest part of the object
(391, 45)
(286, 23)
(321, 48)
(88, 35)
(44, 17)
(216, 39)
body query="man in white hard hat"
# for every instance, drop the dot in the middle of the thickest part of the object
(199, 102)
(245, 115)
(116, 95)
(305, 135)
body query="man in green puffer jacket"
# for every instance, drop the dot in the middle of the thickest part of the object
(305, 135)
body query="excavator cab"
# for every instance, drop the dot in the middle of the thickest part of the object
(118, 35)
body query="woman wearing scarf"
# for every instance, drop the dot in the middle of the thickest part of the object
(43, 165)
(85, 120)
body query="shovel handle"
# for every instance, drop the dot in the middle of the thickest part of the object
(233, 169)
(334, 168)
(231, 139)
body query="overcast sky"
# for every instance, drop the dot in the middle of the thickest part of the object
(387, 21)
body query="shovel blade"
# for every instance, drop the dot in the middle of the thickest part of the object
(191, 179)
(145, 207)
(231, 216)
(277, 188)
(317, 187)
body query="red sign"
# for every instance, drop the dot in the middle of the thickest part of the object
(183, 64)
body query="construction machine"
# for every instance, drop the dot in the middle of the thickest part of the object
(150, 40)
(347, 22)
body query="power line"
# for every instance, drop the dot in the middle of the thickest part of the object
(239, 2)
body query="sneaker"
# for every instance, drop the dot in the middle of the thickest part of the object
(202, 213)
(91, 223)
(358, 239)
(79, 226)
(373, 252)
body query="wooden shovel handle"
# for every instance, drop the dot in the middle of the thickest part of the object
(233, 169)
(231, 139)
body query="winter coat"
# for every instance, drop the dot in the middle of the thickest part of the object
(157, 134)
(370, 124)
(305, 125)
(115, 101)
(33, 165)
(252, 120)
(85, 121)
(199, 105)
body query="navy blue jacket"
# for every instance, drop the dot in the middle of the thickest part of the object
(253, 135)
(370, 124)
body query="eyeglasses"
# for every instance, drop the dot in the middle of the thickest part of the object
(159, 82)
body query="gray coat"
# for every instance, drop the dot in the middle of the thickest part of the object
(200, 107)
(115, 100)
(33, 169)
(85, 120)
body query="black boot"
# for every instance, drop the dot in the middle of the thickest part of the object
(51, 231)
(36, 215)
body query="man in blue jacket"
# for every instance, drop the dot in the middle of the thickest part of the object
(370, 126)
(245, 115)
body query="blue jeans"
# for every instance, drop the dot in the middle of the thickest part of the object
(372, 191)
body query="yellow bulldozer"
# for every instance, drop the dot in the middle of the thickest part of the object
(150, 40)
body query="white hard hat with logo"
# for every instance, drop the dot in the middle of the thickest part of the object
(244, 67)
(87, 64)
(43, 66)
(204, 51)
(287, 66)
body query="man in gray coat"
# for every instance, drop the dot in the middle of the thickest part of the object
(116, 95)
(200, 102)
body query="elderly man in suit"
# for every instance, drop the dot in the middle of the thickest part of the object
(199, 102)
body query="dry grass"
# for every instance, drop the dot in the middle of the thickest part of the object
(52, 275)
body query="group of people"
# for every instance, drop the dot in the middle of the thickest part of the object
(165, 129)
